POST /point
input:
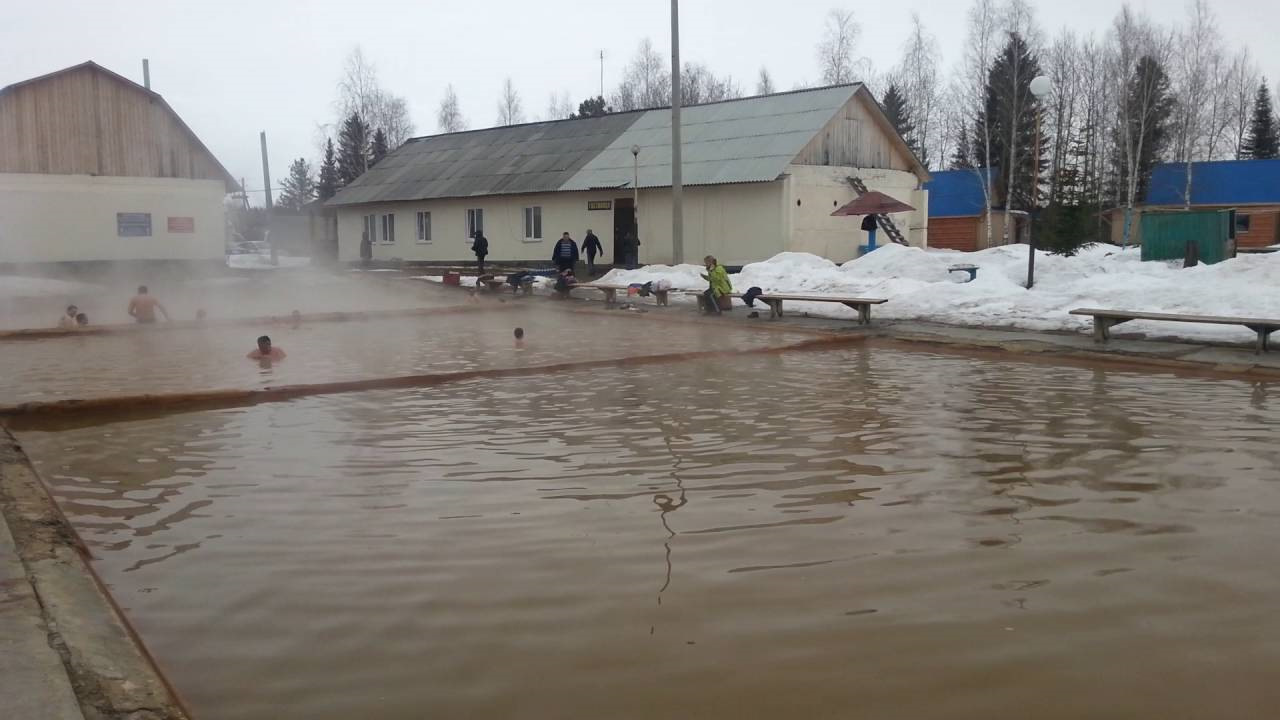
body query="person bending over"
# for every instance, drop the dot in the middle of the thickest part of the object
(266, 351)
(143, 307)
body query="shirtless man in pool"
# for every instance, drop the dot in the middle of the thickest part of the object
(266, 351)
(143, 307)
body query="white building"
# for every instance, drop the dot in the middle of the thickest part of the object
(761, 176)
(95, 167)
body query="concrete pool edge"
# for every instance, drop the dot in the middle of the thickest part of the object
(101, 663)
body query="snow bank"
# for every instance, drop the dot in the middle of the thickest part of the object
(250, 261)
(17, 286)
(919, 287)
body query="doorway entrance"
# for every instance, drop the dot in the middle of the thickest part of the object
(624, 225)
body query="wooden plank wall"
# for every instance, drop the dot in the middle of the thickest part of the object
(86, 122)
(954, 233)
(854, 138)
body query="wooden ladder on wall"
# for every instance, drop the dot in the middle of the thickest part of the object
(885, 222)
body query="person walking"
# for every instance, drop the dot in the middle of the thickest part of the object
(630, 249)
(718, 285)
(366, 249)
(592, 247)
(480, 246)
(565, 253)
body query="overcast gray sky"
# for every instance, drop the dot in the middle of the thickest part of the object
(232, 68)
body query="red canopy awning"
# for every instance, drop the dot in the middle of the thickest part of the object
(873, 203)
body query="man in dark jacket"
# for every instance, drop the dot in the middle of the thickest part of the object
(592, 247)
(565, 253)
(480, 246)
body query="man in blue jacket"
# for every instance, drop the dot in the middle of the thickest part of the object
(565, 253)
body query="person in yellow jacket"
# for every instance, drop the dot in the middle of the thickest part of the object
(718, 279)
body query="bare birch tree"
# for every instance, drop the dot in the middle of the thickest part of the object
(1019, 22)
(359, 92)
(559, 106)
(1132, 39)
(1197, 88)
(764, 82)
(836, 50)
(449, 117)
(917, 75)
(510, 108)
(971, 86)
(1242, 83)
(646, 81)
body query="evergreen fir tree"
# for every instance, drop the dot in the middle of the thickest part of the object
(1009, 97)
(353, 149)
(299, 188)
(1149, 87)
(592, 107)
(962, 159)
(1263, 140)
(378, 149)
(328, 184)
(895, 107)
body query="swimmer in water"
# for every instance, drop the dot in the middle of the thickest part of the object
(519, 333)
(143, 307)
(68, 321)
(265, 351)
(296, 318)
(82, 320)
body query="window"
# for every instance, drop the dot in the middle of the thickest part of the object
(424, 227)
(532, 224)
(370, 228)
(475, 222)
(388, 229)
(133, 224)
(1242, 223)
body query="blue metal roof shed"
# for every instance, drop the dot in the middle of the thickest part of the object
(955, 193)
(1227, 183)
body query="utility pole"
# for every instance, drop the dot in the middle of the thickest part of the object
(602, 73)
(677, 182)
(266, 191)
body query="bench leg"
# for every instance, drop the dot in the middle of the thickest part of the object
(610, 296)
(775, 308)
(864, 312)
(1100, 334)
(1264, 338)
(660, 296)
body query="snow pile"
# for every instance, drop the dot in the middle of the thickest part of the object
(919, 287)
(250, 261)
(17, 286)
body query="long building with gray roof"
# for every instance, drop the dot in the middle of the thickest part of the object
(762, 175)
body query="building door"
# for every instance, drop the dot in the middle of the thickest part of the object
(624, 226)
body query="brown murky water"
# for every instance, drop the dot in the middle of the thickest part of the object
(857, 533)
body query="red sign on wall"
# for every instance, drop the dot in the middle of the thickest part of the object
(182, 225)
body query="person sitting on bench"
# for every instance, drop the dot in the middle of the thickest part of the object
(516, 279)
(565, 282)
(718, 286)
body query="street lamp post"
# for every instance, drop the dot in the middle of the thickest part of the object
(677, 180)
(635, 197)
(1040, 87)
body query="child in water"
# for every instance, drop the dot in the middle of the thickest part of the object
(519, 333)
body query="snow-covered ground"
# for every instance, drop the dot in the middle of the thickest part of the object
(250, 261)
(919, 287)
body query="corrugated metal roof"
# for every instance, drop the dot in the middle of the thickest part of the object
(749, 140)
(746, 140)
(1227, 182)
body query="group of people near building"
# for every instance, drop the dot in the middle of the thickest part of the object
(566, 253)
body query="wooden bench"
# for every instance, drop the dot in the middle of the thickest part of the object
(862, 305)
(1104, 320)
(971, 269)
(611, 292)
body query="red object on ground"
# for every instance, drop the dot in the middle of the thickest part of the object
(452, 278)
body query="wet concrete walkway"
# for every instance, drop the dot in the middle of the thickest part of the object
(33, 680)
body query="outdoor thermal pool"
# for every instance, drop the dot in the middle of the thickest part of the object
(860, 532)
